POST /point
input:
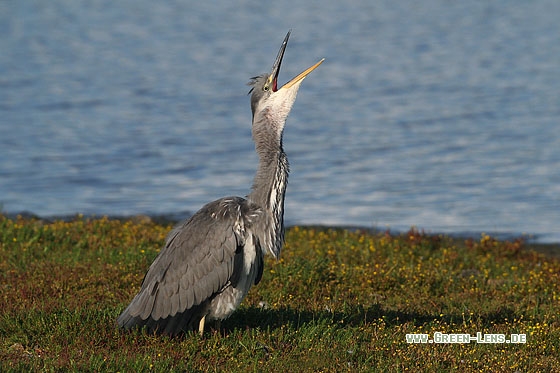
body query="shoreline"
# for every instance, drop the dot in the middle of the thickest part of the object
(551, 248)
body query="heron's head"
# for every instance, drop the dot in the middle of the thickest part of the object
(270, 104)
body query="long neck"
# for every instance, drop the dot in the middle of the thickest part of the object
(268, 191)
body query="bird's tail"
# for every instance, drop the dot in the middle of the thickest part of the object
(172, 325)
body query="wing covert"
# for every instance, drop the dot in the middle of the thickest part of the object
(196, 262)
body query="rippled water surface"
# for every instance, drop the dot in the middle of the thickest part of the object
(442, 115)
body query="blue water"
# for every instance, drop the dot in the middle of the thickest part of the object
(435, 114)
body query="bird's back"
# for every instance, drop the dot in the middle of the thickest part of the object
(210, 254)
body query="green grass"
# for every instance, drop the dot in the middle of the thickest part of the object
(336, 301)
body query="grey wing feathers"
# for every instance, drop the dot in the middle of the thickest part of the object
(195, 264)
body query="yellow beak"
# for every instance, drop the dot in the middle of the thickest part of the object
(302, 75)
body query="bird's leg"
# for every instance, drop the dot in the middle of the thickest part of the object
(201, 325)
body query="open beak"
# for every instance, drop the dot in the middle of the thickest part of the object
(276, 68)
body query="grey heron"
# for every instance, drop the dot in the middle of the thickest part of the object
(210, 261)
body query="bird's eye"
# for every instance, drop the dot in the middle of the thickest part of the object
(266, 88)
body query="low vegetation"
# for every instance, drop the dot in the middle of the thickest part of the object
(337, 300)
